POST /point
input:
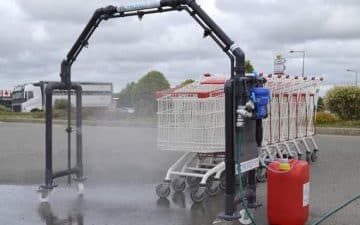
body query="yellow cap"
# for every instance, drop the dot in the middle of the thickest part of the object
(284, 166)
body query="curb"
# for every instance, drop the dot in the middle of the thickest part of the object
(338, 131)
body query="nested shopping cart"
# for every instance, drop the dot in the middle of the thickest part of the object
(289, 128)
(191, 120)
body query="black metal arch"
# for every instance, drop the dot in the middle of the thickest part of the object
(211, 29)
(236, 87)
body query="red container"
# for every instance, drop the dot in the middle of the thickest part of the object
(288, 193)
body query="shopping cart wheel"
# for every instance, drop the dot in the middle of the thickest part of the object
(163, 190)
(299, 156)
(178, 184)
(315, 155)
(261, 174)
(193, 181)
(294, 155)
(308, 157)
(222, 184)
(198, 195)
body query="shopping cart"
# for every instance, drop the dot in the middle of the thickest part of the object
(191, 120)
(289, 128)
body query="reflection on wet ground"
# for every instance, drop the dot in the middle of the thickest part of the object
(106, 205)
(75, 214)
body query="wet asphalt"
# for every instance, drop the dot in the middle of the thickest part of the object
(123, 166)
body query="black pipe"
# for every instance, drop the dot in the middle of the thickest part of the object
(80, 42)
(48, 135)
(79, 155)
(63, 173)
(229, 153)
(68, 131)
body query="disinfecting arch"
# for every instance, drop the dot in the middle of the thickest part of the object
(236, 87)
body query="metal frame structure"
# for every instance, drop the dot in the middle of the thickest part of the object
(236, 88)
(50, 175)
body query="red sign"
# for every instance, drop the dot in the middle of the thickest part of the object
(5, 93)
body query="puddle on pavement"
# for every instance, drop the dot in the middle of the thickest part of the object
(104, 206)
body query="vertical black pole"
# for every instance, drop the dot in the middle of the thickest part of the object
(68, 130)
(48, 136)
(229, 150)
(79, 156)
(251, 201)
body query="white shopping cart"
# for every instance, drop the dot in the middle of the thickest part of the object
(191, 120)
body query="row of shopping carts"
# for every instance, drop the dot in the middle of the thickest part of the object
(289, 129)
(191, 120)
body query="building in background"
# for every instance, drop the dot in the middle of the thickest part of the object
(5, 98)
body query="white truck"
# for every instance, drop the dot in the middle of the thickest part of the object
(30, 97)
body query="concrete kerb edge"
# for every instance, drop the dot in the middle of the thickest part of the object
(338, 131)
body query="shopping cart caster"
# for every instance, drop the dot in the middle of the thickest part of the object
(163, 190)
(193, 181)
(261, 174)
(308, 157)
(222, 184)
(198, 195)
(293, 155)
(178, 184)
(212, 187)
(315, 155)
(299, 156)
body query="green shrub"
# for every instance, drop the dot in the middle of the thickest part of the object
(344, 102)
(320, 104)
(60, 104)
(4, 109)
(324, 118)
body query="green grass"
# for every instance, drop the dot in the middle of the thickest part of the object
(341, 124)
(60, 114)
(5, 115)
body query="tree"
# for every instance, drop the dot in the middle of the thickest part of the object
(320, 104)
(344, 101)
(186, 82)
(61, 104)
(248, 67)
(144, 92)
(126, 96)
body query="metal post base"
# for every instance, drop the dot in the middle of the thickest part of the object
(224, 217)
(44, 192)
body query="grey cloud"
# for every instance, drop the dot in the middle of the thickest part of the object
(38, 33)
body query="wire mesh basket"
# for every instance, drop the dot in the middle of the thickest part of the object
(191, 118)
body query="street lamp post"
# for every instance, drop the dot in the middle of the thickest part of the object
(303, 60)
(356, 76)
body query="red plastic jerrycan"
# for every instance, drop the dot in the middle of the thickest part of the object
(288, 192)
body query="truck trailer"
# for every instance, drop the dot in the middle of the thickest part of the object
(30, 97)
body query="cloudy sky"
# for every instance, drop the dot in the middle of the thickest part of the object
(36, 35)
